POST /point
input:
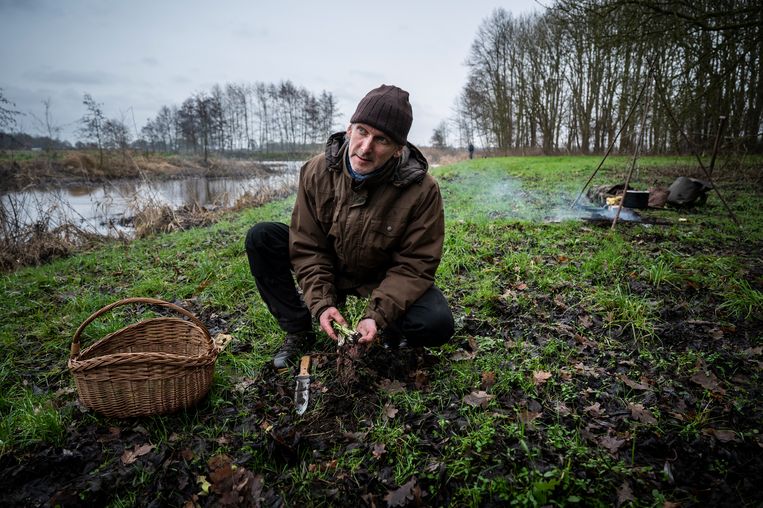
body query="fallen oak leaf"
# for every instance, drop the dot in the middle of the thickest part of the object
(401, 496)
(562, 408)
(527, 417)
(632, 384)
(130, 456)
(421, 379)
(611, 443)
(462, 355)
(378, 450)
(594, 409)
(390, 386)
(540, 377)
(389, 411)
(724, 436)
(625, 494)
(640, 413)
(478, 399)
(708, 381)
(488, 379)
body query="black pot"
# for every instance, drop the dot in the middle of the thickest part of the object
(636, 199)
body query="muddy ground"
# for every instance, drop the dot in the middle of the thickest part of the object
(720, 465)
(693, 439)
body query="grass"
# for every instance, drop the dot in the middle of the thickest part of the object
(616, 318)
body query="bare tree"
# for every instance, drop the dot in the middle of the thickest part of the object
(92, 125)
(7, 113)
(440, 135)
(116, 136)
(47, 126)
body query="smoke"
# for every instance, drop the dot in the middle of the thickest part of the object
(484, 196)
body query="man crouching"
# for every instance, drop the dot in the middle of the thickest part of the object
(368, 221)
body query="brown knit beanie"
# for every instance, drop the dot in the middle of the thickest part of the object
(387, 109)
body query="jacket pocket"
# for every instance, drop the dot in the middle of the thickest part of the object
(385, 234)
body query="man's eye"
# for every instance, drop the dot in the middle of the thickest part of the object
(382, 141)
(361, 130)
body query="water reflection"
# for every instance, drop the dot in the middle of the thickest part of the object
(99, 206)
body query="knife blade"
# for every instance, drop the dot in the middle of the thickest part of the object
(302, 391)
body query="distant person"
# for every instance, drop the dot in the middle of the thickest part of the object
(368, 221)
(471, 150)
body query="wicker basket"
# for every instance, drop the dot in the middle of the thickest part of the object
(156, 366)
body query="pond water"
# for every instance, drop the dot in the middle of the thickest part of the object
(100, 207)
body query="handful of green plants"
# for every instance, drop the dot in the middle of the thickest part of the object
(346, 335)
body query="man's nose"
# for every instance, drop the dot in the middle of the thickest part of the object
(366, 144)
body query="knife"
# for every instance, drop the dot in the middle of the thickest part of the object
(302, 392)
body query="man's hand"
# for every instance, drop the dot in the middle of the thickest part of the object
(327, 317)
(367, 328)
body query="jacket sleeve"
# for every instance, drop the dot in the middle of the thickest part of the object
(309, 249)
(415, 263)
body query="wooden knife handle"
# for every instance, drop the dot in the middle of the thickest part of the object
(304, 366)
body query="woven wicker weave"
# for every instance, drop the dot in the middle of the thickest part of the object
(156, 366)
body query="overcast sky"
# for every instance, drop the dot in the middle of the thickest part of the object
(136, 56)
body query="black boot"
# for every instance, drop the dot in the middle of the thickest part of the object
(293, 345)
(391, 340)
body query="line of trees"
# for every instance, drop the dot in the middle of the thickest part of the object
(569, 79)
(238, 117)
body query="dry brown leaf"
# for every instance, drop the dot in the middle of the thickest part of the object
(488, 380)
(130, 456)
(541, 376)
(594, 409)
(389, 411)
(584, 341)
(611, 443)
(401, 496)
(509, 295)
(462, 355)
(624, 493)
(632, 384)
(724, 436)
(708, 381)
(378, 450)
(528, 417)
(521, 286)
(585, 321)
(420, 379)
(478, 399)
(391, 386)
(243, 384)
(641, 414)
(562, 408)
(585, 370)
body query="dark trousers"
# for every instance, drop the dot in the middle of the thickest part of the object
(428, 322)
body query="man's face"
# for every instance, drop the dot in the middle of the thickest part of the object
(370, 148)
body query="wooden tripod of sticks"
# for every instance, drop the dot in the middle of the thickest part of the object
(660, 93)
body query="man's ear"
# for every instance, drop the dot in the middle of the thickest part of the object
(349, 128)
(399, 152)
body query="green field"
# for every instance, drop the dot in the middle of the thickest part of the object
(590, 366)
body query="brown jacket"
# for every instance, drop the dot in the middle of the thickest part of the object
(381, 237)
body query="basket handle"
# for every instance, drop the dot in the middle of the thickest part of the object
(153, 301)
